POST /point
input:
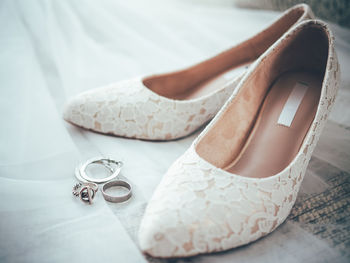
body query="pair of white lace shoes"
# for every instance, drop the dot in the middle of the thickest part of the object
(239, 179)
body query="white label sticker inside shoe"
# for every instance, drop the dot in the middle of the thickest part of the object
(292, 104)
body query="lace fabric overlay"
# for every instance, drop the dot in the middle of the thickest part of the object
(199, 208)
(130, 109)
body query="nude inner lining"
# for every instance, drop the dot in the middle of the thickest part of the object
(272, 146)
(215, 83)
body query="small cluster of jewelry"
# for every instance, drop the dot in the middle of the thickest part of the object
(87, 187)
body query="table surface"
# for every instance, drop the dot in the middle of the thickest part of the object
(52, 50)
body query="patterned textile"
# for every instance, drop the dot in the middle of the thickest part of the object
(337, 11)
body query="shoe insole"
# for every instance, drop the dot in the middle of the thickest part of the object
(282, 123)
(212, 84)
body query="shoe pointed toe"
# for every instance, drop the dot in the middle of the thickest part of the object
(83, 109)
(187, 215)
(198, 209)
(105, 110)
(72, 111)
(158, 241)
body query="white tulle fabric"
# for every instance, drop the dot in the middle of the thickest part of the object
(199, 208)
(130, 109)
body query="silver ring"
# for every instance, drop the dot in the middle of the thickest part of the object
(78, 176)
(86, 191)
(117, 199)
(105, 162)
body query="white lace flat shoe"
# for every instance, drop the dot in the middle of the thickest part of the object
(240, 178)
(173, 105)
